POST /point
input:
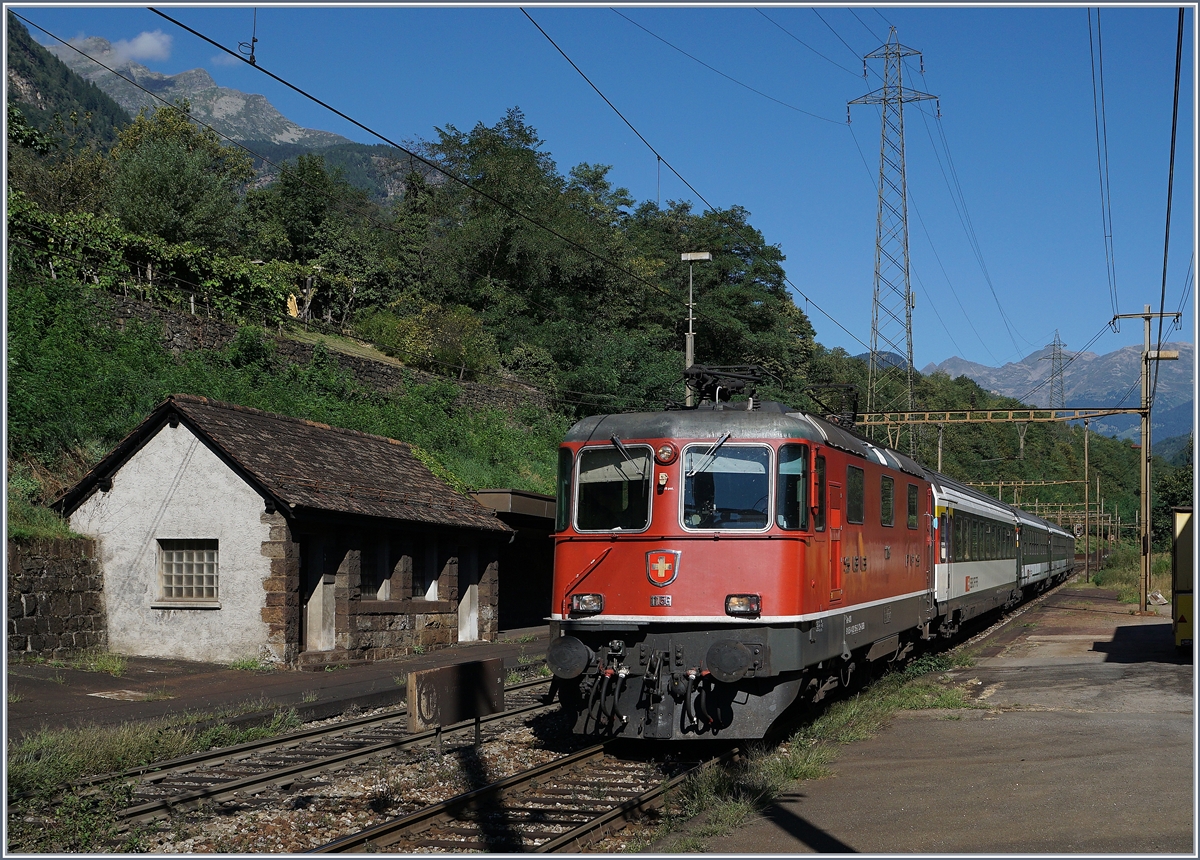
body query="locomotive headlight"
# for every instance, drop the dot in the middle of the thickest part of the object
(666, 454)
(587, 604)
(743, 604)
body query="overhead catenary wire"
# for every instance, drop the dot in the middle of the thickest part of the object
(372, 221)
(1101, 130)
(463, 182)
(1188, 280)
(1162, 301)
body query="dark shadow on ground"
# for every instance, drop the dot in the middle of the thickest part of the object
(820, 841)
(1141, 643)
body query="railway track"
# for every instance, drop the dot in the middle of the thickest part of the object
(218, 775)
(566, 804)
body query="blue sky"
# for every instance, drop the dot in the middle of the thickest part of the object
(1015, 89)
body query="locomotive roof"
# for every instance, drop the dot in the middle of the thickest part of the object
(770, 421)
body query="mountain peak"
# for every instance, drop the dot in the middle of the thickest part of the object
(1091, 380)
(237, 115)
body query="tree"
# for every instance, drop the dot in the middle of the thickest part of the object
(176, 180)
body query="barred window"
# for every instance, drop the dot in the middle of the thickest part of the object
(188, 570)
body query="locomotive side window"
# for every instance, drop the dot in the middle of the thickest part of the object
(819, 512)
(791, 507)
(854, 494)
(562, 506)
(726, 488)
(912, 506)
(614, 489)
(887, 501)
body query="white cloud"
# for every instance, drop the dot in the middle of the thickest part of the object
(144, 46)
(224, 60)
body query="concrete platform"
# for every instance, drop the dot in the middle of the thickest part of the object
(1088, 746)
(50, 697)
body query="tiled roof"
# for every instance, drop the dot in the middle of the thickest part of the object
(305, 464)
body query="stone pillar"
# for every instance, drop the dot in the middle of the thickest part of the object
(349, 574)
(281, 610)
(402, 573)
(489, 591)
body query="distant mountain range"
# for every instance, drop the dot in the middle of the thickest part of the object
(247, 118)
(239, 115)
(1092, 380)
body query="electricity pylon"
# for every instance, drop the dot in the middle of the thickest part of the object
(1057, 398)
(892, 305)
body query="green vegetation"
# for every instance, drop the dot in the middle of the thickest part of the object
(45, 816)
(1122, 571)
(100, 661)
(251, 664)
(727, 797)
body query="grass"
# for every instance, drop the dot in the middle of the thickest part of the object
(100, 661)
(1122, 572)
(42, 818)
(14, 697)
(513, 677)
(309, 696)
(726, 798)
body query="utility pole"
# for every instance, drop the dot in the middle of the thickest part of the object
(1087, 558)
(689, 357)
(893, 299)
(1144, 515)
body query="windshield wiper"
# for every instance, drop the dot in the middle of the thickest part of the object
(620, 446)
(709, 455)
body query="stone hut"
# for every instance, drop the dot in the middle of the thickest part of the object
(225, 532)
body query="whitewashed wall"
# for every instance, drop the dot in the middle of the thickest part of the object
(176, 488)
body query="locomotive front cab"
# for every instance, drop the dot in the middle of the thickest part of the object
(677, 573)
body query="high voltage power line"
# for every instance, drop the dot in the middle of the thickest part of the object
(716, 70)
(691, 188)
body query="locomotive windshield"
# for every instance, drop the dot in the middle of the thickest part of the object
(726, 489)
(614, 489)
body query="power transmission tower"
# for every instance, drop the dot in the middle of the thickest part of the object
(892, 305)
(1057, 399)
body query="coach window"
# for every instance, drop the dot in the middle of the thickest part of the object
(791, 505)
(819, 509)
(854, 494)
(614, 489)
(726, 487)
(913, 520)
(887, 501)
(562, 507)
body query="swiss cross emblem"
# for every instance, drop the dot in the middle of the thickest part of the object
(662, 566)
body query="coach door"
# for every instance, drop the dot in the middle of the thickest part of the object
(835, 542)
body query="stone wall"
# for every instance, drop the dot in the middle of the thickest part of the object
(55, 598)
(281, 609)
(183, 331)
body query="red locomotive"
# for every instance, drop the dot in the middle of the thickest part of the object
(712, 565)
